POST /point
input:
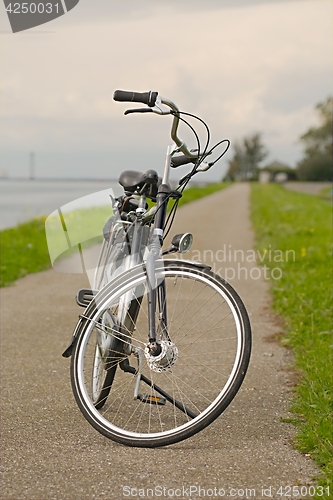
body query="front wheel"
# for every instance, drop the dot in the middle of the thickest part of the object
(158, 401)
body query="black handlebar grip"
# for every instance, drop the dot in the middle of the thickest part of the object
(148, 98)
(178, 161)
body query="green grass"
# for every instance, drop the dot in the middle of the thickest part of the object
(326, 193)
(23, 251)
(285, 220)
(24, 248)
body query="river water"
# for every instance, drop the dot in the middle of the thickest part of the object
(21, 200)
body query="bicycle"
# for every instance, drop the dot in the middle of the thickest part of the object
(171, 327)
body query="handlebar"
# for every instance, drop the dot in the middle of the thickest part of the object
(152, 99)
(148, 98)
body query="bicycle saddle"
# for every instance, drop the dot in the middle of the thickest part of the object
(132, 180)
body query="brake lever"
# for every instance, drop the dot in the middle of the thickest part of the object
(138, 110)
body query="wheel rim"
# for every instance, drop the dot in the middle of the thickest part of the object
(204, 322)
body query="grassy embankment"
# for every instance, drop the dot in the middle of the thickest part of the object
(24, 249)
(285, 220)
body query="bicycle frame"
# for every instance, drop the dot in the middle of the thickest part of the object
(156, 294)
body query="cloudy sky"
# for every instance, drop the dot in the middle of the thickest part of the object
(243, 66)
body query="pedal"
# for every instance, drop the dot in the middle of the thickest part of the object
(85, 296)
(152, 400)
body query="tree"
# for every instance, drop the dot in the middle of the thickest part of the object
(248, 153)
(317, 162)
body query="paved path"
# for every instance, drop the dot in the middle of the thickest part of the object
(49, 450)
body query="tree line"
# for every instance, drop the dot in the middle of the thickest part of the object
(316, 164)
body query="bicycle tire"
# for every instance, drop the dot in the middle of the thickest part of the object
(211, 331)
(104, 364)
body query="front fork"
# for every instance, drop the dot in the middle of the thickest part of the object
(157, 291)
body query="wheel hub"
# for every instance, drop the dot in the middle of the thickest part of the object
(165, 360)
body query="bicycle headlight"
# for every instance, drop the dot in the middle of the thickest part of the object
(182, 242)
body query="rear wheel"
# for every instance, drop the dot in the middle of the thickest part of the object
(154, 401)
